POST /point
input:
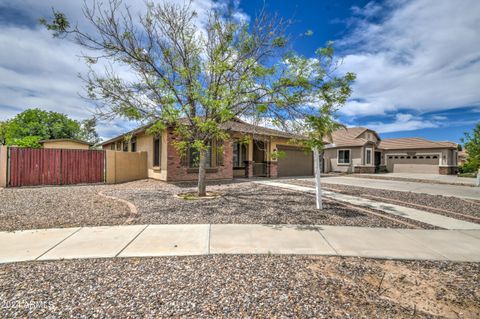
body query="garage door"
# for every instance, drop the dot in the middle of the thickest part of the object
(425, 164)
(296, 162)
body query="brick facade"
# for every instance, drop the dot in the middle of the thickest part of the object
(272, 169)
(177, 169)
(447, 170)
(364, 169)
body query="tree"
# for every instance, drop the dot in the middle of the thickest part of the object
(26, 129)
(196, 77)
(471, 144)
(88, 132)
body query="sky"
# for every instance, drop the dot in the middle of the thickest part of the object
(417, 62)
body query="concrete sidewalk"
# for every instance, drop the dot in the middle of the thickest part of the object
(178, 240)
(405, 186)
(397, 210)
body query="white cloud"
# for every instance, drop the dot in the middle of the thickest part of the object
(403, 122)
(423, 56)
(37, 70)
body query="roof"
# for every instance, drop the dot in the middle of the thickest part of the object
(350, 137)
(413, 143)
(66, 140)
(235, 125)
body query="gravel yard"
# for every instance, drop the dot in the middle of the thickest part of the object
(241, 202)
(468, 210)
(240, 286)
(47, 207)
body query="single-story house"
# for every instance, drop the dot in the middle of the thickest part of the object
(352, 150)
(66, 143)
(237, 159)
(361, 150)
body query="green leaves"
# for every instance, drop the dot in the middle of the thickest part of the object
(59, 24)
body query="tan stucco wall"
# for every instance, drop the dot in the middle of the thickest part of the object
(66, 145)
(125, 166)
(3, 166)
(145, 144)
(330, 158)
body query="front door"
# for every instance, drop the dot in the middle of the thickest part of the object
(378, 158)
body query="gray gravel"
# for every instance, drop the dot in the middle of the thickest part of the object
(454, 204)
(240, 203)
(68, 206)
(240, 286)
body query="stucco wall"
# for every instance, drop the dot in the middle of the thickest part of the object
(3, 166)
(66, 144)
(125, 166)
(330, 158)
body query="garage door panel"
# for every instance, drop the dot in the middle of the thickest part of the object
(415, 168)
(296, 162)
(403, 164)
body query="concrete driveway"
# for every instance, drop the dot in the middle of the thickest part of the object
(448, 179)
(406, 186)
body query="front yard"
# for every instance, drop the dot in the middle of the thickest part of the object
(240, 286)
(239, 203)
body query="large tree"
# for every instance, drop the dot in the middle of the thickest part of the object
(195, 77)
(26, 129)
(472, 147)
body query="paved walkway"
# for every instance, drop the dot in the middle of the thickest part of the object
(405, 186)
(397, 210)
(178, 240)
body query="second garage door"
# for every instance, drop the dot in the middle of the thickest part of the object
(426, 164)
(296, 162)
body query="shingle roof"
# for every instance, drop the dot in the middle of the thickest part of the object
(349, 137)
(234, 126)
(412, 143)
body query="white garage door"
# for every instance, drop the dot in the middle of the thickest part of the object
(424, 164)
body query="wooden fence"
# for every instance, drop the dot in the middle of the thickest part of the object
(32, 167)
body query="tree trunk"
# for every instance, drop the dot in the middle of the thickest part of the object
(202, 187)
(316, 162)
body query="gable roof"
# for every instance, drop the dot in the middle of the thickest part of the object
(349, 137)
(235, 125)
(412, 143)
(66, 140)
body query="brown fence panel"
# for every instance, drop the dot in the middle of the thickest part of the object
(32, 167)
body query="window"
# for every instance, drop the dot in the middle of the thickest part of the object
(427, 156)
(133, 144)
(414, 157)
(343, 156)
(390, 157)
(194, 160)
(396, 157)
(125, 146)
(402, 157)
(219, 151)
(421, 157)
(368, 155)
(239, 154)
(112, 147)
(408, 157)
(157, 149)
(435, 156)
(119, 146)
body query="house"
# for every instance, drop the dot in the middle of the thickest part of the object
(236, 157)
(361, 150)
(66, 143)
(351, 150)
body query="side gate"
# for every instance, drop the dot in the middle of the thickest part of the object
(34, 167)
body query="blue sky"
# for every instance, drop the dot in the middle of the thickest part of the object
(417, 62)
